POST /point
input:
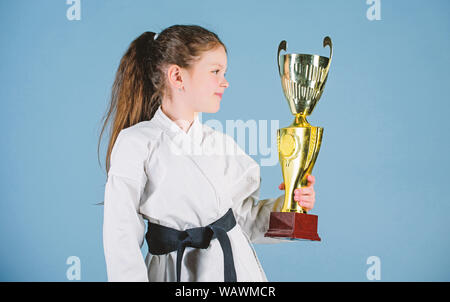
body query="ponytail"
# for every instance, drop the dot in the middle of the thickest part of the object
(133, 97)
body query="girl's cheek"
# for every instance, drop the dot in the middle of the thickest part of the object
(215, 81)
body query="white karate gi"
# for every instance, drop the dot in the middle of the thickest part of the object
(160, 173)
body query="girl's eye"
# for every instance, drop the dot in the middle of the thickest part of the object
(215, 71)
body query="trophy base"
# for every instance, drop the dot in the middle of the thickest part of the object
(292, 225)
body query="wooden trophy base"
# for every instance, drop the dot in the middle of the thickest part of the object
(293, 225)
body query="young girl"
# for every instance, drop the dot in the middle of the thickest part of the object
(195, 186)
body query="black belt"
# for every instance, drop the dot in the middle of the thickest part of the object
(163, 240)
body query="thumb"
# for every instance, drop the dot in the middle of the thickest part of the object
(311, 180)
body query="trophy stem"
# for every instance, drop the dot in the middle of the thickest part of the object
(300, 121)
(298, 146)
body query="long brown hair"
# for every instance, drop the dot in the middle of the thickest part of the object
(140, 81)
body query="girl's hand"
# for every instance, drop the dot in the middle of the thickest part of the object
(306, 197)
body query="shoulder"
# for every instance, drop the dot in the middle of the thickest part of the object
(143, 132)
(143, 135)
(132, 149)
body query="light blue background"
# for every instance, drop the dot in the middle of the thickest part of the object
(382, 173)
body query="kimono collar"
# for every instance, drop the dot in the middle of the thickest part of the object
(194, 134)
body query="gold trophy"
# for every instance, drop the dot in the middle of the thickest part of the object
(303, 79)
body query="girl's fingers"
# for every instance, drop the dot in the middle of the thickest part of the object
(306, 202)
(308, 190)
(304, 191)
(304, 198)
(306, 205)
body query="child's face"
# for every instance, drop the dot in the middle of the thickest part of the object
(207, 80)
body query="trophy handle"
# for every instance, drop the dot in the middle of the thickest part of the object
(327, 42)
(281, 46)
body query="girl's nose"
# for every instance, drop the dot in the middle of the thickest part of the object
(225, 83)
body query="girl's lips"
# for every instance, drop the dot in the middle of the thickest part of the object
(219, 94)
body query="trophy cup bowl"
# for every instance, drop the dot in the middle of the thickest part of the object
(303, 78)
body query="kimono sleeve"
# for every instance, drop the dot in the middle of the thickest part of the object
(123, 225)
(252, 214)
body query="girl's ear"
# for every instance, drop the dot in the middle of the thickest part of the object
(176, 76)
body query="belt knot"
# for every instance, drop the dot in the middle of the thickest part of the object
(163, 240)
